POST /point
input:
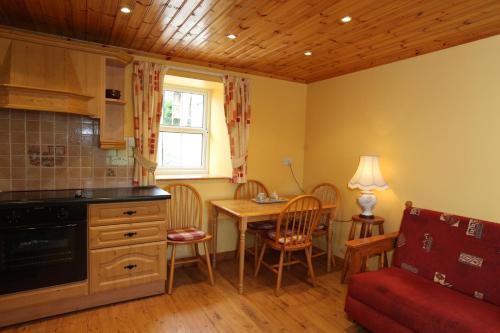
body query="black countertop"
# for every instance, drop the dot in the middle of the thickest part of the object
(94, 195)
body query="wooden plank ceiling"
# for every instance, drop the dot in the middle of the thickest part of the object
(272, 35)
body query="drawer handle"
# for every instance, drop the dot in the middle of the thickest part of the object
(130, 212)
(130, 234)
(130, 266)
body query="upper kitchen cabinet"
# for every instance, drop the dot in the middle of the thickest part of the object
(44, 73)
(49, 78)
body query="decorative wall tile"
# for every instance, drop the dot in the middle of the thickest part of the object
(51, 150)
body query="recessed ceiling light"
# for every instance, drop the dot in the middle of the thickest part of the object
(346, 19)
(308, 53)
(231, 36)
(125, 10)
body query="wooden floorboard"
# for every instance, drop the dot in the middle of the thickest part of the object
(195, 306)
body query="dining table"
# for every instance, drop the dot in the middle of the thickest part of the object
(244, 211)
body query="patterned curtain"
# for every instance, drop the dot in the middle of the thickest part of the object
(148, 100)
(237, 111)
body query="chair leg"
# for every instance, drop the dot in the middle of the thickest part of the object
(334, 263)
(209, 266)
(310, 266)
(172, 268)
(288, 259)
(280, 273)
(261, 256)
(256, 242)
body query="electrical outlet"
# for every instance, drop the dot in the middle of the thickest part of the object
(287, 161)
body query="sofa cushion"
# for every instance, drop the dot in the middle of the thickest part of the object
(422, 305)
(455, 251)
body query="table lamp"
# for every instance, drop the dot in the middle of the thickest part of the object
(368, 178)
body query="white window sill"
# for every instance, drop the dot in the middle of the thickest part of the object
(190, 176)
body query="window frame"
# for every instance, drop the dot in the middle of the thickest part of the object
(204, 130)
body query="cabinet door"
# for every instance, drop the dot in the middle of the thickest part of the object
(126, 266)
(37, 65)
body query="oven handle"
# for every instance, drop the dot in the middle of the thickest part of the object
(71, 225)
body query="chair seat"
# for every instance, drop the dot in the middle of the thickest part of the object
(289, 237)
(261, 225)
(185, 234)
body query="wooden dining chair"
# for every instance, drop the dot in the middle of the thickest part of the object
(184, 227)
(294, 228)
(327, 193)
(249, 190)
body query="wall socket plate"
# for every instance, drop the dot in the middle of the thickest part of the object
(287, 161)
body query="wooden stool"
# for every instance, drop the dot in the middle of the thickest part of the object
(365, 231)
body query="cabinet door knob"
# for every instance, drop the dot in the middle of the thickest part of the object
(130, 266)
(130, 234)
(129, 212)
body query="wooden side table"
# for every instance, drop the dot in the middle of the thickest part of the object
(365, 231)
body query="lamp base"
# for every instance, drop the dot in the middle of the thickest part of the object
(366, 216)
(367, 201)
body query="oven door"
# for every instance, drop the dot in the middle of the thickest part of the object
(42, 256)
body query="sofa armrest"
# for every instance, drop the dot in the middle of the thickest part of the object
(361, 249)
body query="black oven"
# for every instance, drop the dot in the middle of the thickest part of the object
(42, 245)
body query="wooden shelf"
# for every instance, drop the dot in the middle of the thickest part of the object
(115, 101)
(113, 144)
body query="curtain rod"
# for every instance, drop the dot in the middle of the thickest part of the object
(197, 71)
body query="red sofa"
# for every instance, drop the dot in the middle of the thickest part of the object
(445, 277)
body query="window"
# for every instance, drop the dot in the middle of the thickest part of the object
(183, 142)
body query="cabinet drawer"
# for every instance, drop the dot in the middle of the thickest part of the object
(125, 266)
(127, 234)
(126, 212)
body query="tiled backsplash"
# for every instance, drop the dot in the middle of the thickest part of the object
(48, 150)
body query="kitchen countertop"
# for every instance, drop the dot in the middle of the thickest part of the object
(94, 195)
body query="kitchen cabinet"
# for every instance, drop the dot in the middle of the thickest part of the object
(139, 230)
(113, 115)
(126, 257)
(43, 73)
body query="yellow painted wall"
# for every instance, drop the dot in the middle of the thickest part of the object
(277, 131)
(435, 122)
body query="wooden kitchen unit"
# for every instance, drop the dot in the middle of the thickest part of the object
(46, 73)
(126, 259)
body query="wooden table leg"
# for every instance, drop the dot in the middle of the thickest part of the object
(242, 226)
(215, 215)
(329, 244)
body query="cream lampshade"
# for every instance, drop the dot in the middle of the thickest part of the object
(368, 178)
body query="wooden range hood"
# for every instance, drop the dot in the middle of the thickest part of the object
(45, 78)
(49, 74)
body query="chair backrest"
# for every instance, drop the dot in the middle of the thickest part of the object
(184, 208)
(327, 193)
(458, 252)
(297, 221)
(250, 189)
